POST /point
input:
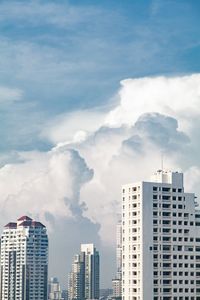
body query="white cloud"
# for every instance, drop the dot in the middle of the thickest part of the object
(73, 127)
(82, 179)
(43, 183)
(151, 118)
(174, 96)
(123, 155)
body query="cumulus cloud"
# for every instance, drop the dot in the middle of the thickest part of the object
(73, 127)
(121, 155)
(44, 184)
(79, 182)
(174, 96)
(153, 117)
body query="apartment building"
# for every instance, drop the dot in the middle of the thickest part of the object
(160, 240)
(83, 281)
(24, 260)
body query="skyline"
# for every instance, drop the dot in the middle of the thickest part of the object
(91, 91)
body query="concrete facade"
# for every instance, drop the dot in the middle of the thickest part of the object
(24, 260)
(160, 240)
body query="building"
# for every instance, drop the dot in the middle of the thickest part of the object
(64, 294)
(24, 260)
(83, 281)
(76, 279)
(54, 290)
(117, 289)
(91, 260)
(119, 249)
(160, 240)
(117, 281)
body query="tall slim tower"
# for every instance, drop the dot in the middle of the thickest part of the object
(54, 290)
(76, 279)
(83, 281)
(24, 260)
(160, 240)
(117, 281)
(91, 259)
(119, 249)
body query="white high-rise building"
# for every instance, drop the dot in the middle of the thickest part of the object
(91, 259)
(119, 249)
(76, 279)
(160, 240)
(24, 260)
(83, 281)
(117, 281)
(54, 290)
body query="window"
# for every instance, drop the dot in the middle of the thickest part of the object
(166, 189)
(166, 205)
(166, 197)
(166, 214)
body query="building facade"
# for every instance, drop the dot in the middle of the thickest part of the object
(76, 279)
(117, 289)
(117, 281)
(24, 260)
(119, 249)
(91, 261)
(160, 240)
(65, 294)
(54, 290)
(83, 281)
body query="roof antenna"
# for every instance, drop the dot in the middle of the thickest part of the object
(162, 161)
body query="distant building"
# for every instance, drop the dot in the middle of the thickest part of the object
(54, 290)
(119, 249)
(117, 288)
(76, 279)
(117, 281)
(24, 260)
(160, 240)
(83, 281)
(91, 261)
(64, 294)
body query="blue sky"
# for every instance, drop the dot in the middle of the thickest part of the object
(69, 55)
(61, 63)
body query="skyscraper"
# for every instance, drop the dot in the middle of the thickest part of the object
(54, 290)
(24, 260)
(119, 249)
(160, 240)
(76, 279)
(84, 277)
(117, 281)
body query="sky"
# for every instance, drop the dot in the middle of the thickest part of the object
(91, 93)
